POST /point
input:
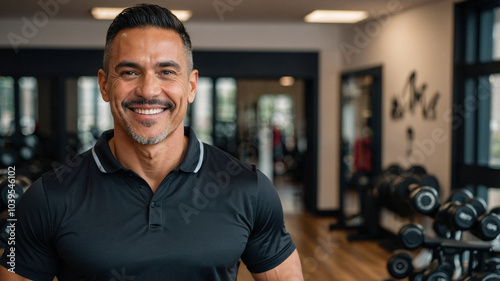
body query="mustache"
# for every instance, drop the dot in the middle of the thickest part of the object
(165, 103)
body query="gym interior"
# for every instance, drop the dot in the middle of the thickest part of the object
(380, 135)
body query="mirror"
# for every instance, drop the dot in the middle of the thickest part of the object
(360, 140)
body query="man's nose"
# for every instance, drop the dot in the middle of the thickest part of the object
(149, 86)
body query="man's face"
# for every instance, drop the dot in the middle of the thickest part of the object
(148, 84)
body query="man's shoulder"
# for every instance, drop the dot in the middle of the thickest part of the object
(218, 158)
(61, 174)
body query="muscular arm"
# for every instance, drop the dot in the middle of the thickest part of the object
(289, 270)
(6, 275)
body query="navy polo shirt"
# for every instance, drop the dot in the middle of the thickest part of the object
(92, 219)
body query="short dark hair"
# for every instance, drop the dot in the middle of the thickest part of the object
(143, 16)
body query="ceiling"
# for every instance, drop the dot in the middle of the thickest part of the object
(205, 10)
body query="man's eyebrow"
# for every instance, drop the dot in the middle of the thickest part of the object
(127, 64)
(169, 63)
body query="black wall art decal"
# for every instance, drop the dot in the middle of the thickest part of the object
(414, 98)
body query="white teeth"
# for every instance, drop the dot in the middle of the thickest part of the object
(148, 111)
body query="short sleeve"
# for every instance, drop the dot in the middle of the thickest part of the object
(269, 243)
(30, 252)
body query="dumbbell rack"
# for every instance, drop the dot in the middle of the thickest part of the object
(453, 257)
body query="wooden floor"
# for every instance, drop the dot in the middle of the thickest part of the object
(328, 255)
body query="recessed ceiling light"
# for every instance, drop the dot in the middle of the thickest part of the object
(333, 16)
(287, 81)
(108, 13)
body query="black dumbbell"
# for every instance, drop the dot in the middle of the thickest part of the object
(400, 264)
(4, 232)
(401, 185)
(394, 169)
(420, 189)
(430, 181)
(411, 236)
(439, 271)
(486, 227)
(479, 205)
(456, 215)
(397, 194)
(417, 275)
(8, 157)
(417, 170)
(424, 199)
(441, 230)
(381, 184)
(13, 190)
(460, 195)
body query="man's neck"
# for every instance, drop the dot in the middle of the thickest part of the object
(152, 162)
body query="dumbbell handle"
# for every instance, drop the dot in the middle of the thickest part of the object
(412, 237)
(459, 245)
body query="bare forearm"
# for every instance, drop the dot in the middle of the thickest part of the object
(289, 270)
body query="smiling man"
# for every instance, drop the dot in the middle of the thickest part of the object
(150, 201)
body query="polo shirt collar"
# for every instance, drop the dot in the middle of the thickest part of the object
(107, 163)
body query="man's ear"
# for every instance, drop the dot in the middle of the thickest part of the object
(193, 84)
(102, 79)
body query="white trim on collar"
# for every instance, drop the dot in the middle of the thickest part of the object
(200, 160)
(96, 159)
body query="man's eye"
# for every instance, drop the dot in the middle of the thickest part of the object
(167, 72)
(128, 73)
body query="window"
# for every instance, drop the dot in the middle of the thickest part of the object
(202, 110)
(7, 124)
(27, 105)
(94, 115)
(225, 130)
(476, 119)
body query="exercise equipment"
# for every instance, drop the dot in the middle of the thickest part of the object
(17, 149)
(447, 255)
(439, 271)
(486, 227)
(456, 215)
(400, 264)
(13, 189)
(4, 231)
(413, 186)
